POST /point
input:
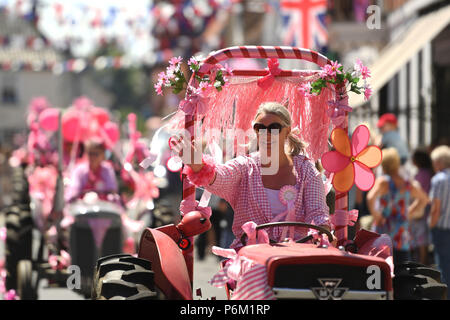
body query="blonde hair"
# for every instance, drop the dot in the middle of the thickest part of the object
(441, 154)
(296, 146)
(391, 161)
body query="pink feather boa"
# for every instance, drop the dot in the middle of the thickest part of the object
(205, 175)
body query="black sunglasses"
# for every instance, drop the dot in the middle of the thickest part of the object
(272, 126)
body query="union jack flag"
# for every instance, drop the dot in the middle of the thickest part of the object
(304, 23)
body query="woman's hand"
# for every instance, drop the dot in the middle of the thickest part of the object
(327, 227)
(188, 150)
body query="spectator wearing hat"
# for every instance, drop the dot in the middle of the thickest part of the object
(387, 124)
(440, 209)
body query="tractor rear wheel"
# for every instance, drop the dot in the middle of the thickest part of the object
(25, 286)
(414, 281)
(123, 277)
(18, 246)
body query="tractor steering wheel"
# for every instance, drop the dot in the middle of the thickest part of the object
(291, 224)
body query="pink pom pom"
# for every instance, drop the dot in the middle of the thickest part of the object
(205, 175)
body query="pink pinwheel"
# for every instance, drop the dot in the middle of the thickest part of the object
(352, 161)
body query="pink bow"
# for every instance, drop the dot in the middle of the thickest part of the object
(194, 103)
(342, 218)
(337, 112)
(190, 205)
(234, 268)
(323, 240)
(254, 236)
(274, 70)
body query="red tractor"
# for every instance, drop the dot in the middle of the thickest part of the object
(309, 268)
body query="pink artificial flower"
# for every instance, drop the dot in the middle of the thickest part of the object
(171, 70)
(162, 77)
(175, 60)
(358, 65)
(367, 92)
(212, 73)
(305, 89)
(362, 69)
(333, 69)
(158, 89)
(325, 71)
(193, 62)
(365, 72)
(204, 89)
(227, 69)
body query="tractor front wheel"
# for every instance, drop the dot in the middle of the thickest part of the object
(123, 277)
(414, 281)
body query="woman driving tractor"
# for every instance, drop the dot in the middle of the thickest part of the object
(95, 175)
(293, 191)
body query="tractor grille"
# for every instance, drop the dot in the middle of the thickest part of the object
(311, 280)
(83, 245)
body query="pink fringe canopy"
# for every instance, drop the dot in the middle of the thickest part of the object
(235, 108)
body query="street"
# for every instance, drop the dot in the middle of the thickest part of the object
(203, 271)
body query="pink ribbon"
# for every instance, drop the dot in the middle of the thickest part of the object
(289, 201)
(188, 205)
(323, 240)
(194, 103)
(342, 218)
(274, 70)
(337, 112)
(234, 268)
(253, 235)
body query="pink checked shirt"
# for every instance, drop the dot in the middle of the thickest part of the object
(239, 182)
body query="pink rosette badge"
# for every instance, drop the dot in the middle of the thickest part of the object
(287, 196)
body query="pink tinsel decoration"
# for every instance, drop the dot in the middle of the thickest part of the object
(205, 175)
(307, 113)
(234, 108)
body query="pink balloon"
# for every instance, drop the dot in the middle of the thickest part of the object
(100, 114)
(70, 127)
(112, 131)
(48, 119)
(74, 126)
